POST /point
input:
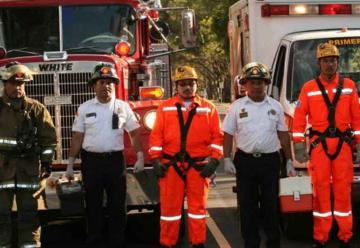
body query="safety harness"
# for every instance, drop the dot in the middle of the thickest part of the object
(183, 156)
(331, 131)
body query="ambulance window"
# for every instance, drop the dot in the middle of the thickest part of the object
(278, 74)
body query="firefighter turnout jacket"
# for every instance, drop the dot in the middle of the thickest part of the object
(27, 136)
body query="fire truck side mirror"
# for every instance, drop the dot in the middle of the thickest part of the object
(2, 52)
(188, 28)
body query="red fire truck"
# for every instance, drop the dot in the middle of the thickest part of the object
(62, 41)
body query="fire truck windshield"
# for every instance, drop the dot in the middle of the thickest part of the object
(76, 29)
(303, 65)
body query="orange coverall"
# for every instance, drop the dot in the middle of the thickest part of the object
(322, 170)
(204, 139)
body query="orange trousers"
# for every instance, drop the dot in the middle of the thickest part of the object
(339, 174)
(172, 191)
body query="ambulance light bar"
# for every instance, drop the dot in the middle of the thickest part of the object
(309, 9)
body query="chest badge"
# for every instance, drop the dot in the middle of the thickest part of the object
(118, 110)
(272, 112)
(243, 113)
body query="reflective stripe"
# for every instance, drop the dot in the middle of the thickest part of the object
(27, 186)
(345, 91)
(156, 148)
(342, 214)
(8, 142)
(197, 216)
(315, 93)
(170, 218)
(298, 135)
(217, 147)
(7, 186)
(47, 151)
(203, 110)
(173, 109)
(29, 246)
(318, 214)
(356, 132)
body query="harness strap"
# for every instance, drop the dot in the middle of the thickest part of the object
(331, 131)
(182, 156)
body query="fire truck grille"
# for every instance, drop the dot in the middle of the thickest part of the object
(55, 90)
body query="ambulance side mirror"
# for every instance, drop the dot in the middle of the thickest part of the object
(188, 28)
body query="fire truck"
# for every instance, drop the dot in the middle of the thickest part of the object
(284, 35)
(62, 41)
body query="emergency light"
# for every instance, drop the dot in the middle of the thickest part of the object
(309, 9)
(151, 92)
(122, 48)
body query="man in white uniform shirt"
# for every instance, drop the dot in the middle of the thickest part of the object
(98, 133)
(257, 121)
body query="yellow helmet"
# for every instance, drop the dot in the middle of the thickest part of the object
(185, 72)
(254, 70)
(326, 50)
(16, 72)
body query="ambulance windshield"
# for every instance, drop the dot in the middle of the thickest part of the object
(76, 29)
(303, 64)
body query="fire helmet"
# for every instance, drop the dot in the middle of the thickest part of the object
(103, 71)
(17, 72)
(254, 70)
(185, 72)
(327, 50)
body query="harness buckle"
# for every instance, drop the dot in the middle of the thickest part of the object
(314, 143)
(332, 131)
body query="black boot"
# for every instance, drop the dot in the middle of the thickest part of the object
(344, 244)
(317, 244)
(199, 246)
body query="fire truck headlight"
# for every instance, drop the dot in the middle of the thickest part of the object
(149, 119)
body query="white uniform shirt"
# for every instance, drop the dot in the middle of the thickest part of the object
(94, 119)
(255, 124)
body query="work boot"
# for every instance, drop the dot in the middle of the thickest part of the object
(343, 244)
(199, 246)
(318, 244)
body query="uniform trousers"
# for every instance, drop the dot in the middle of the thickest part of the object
(257, 187)
(336, 175)
(105, 172)
(28, 225)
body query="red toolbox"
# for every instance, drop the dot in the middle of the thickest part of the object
(295, 194)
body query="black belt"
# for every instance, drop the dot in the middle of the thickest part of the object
(256, 154)
(103, 154)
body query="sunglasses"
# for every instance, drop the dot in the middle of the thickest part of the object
(186, 83)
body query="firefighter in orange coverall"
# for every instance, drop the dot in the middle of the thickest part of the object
(331, 104)
(185, 146)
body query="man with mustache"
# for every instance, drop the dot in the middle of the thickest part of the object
(185, 146)
(257, 122)
(98, 133)
(27, 143)
(330, 104)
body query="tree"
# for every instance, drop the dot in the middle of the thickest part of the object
(211, 57)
